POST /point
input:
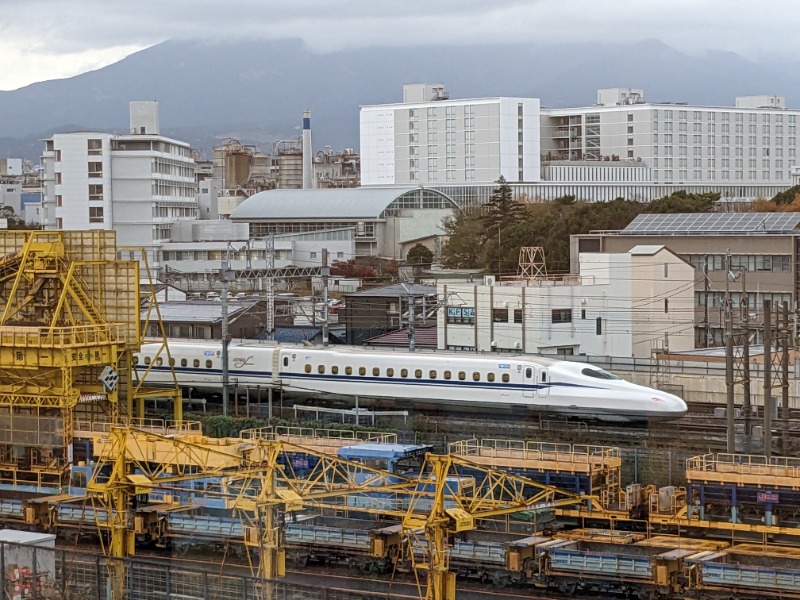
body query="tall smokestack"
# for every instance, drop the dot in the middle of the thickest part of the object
(308, 165)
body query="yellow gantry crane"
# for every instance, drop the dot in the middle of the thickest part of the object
(451, 496)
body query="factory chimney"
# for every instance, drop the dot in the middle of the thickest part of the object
(308, 165)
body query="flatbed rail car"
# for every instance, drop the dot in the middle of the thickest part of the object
(745, 572)
(610, 562)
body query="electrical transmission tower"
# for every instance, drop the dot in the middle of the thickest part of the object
(532, 264)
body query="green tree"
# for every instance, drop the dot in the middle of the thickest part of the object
(465, 238)
(681, 202)
(788, 196)
(14, 222)
(419, 255)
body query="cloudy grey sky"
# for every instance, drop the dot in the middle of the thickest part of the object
(49, 39)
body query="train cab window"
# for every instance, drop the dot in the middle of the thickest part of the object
(432, 374)
(335, 370)
(196, 362)
(147, 360)
(285, 361)
(348, 370)
(418, 373)
(506, 378)
(598, 373)
(308, 368)
(390, 372)
(320, 369)
(476, 376)
(376, 372)
(447, 374)
(208, 364)
(184, 362)
(362, 370)
(403, 372)
(544, 376)
(490, 376)
(462, 375)
(528, 373)
(171, 362)
(159, 361)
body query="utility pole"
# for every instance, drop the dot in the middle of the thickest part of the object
(325, 296)
(744, 306)
(411, 301)
(709, 341)
(224, 277)
(729, 411)
(767, 377)
(785, 379)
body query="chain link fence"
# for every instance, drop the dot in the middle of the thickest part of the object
(31, 572)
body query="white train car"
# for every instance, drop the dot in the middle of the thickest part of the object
(519, 383)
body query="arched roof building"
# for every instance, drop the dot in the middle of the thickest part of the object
(383, 218)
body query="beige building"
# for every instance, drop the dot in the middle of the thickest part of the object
(764, 250)
(617, 304)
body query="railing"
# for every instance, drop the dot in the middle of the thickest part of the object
(289, 433)
(528, 450)
(745, 464)
(159, 426)
(60, 337)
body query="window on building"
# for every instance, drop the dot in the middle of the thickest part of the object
(58, 178)
(666, 305)
(598, 326)
(517, 315)
(95, 214)
(59, 199)
(96, 191)
(95, 169)
(500, 315)
(94, 146)
(561, 315)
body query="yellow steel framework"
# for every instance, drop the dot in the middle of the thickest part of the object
(68, 309)
(138, 392)
(257, 484)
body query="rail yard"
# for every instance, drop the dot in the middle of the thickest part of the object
(504, 514)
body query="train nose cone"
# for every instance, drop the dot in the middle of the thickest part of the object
(675, 406)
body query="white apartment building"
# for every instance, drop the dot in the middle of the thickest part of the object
(431, 140)
(625, 304)
(621, 147)
(137, 184)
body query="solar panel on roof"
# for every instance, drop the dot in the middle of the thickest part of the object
(714, 222)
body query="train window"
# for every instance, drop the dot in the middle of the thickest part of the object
(390, 372)
(208, 364)
(308, 368)
(544, 377)
(476, 376)
(147, 360)
(598, 373)
(136, 360)
(348, 370)
(196, 362)
(184, 362)
(462, 375)
(447, 374)
(159, 361)
(432, 374)
(376, 372)
(335, 370)
(320, 369)
(528, 372)
(171, 362)
(418, 373)
(362, 370)
(506, 378)
(490, 376)
(403, 372)
(285, 361)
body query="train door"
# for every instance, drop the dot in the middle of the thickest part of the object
(544, 383)
(528, 380)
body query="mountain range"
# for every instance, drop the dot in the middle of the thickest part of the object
(256, 91)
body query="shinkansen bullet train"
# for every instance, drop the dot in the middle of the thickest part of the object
(459, 381)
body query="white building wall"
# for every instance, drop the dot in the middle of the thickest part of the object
(619, 290)
(377, 138)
